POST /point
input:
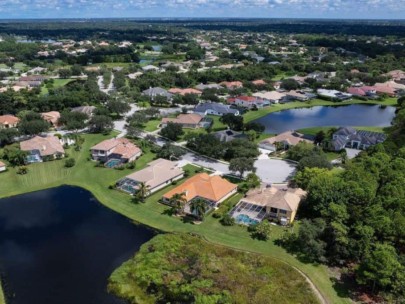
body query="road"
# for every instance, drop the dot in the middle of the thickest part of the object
(101, 85)
(269, 170)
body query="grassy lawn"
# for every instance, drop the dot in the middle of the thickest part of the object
(152, 125)
(252, 115)
(57, 83)
(151, 213)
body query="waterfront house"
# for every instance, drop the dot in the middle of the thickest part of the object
(270, 97)
(276, 203)
(8, 121)
(286, 139)
(157, 175)
(248, 102)
(333, 94)
(214, 108)
(347, 137)
(229, 135)
(212, 189)
(120, 149)
(42, 148)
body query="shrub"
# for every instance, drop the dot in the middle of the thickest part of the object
(112, 186)
(22, 170)
(227, 220)
(70, 162)
(261, 231)
(131, 165)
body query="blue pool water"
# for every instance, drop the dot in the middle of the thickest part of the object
(245, 219)
(112, 163)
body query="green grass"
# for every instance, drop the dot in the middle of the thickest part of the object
(151, 213)
(152, 125)
(252, 115)
(57, 83)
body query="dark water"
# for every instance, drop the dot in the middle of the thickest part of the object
(352, 115)
(59, 246)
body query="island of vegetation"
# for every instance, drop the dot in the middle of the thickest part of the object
(185, 269)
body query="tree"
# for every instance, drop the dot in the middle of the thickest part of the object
(74, 121)
(289, 84)
(7, 136)
(15, 156)
(380, 268)
(242, 165)
(261, 231)
(252, 180)
(142, 192)
(32, 124)
(206, 144)
(170, 152)
(198, 207)
(309, 240)
(172, 131)
(319, 137)
(299, 151)
(304, 177)
(178, 202)
(100, 124)
(251, 135)
(70, 162)
(118, 107)
(255, 126)
(232, 121)
(314, 161)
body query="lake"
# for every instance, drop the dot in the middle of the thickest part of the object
(320, 116)
(59, 246)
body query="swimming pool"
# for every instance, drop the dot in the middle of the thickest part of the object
(112, 163)
(246, 220)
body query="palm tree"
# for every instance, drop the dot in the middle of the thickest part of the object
(178, 201)
(199, 207)
(143, 191)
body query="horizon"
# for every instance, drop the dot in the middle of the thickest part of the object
(206, 9)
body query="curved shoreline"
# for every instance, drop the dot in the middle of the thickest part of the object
(253, 115)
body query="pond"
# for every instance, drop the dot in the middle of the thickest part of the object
(320, 116)
(61, 245)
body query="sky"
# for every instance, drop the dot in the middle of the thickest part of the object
(351, 9)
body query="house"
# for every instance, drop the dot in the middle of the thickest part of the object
(271, 97)
(37, 70)
(42, 148)
(157, 91)
(51, 117)
(297, 95)
(259, 82)
(150, 68)
(214, 86)
(214, 108)
(3, 166)
(248, 101)
(396, 75)
(32, 80)
(157, 175)
(115, 149)
(88, 110)
(184, 92)
(391, 84)
(134, 75)
(287, 139)
(276, 203)
(229, 135)
(192, 121)
(346, 137)
(231, 85)
(212, 189)
(333, 94)
(8, 121)
(364, 91)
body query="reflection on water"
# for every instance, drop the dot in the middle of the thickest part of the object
(352, 115)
